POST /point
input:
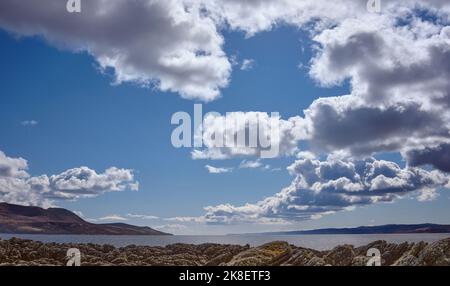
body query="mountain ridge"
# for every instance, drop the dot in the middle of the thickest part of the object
(17, 219)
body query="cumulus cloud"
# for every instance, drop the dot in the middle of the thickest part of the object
(437, 156)
(397, 63)
(14, 183)
(169, 44)
(217, 170)
(19, 187)
(398, 67)
(305, 155)
(84, 182)
(242, 134)
(262, 15)
(325, 187)
(348, 123)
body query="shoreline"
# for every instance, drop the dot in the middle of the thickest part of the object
(317, 242)
(22, 252)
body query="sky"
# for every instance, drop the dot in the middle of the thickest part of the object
(87, 100)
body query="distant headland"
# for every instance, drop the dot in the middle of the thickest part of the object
(35, 220)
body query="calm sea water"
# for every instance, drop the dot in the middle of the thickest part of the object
(319, 242)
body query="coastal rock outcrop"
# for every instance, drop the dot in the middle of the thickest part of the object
(273, 253)
(21, 252)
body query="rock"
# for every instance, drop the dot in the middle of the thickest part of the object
(220, 260)
(26, 252)
(119, 260)
(390, 252)
(301, 257)
(268, 254)
(393, 252)
(360, 261)
(417, 248)
(316, 261)
(408, 260)
(340, 256)
(106, 248)
(436, 254)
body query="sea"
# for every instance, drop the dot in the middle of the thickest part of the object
(318, 242)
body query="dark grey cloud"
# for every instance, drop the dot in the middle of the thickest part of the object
(399, 79)
(345, 123)
(437, 156)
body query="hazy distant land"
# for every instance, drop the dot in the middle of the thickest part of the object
(380, 229)
(35, 220)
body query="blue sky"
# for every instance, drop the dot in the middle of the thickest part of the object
(83, 118)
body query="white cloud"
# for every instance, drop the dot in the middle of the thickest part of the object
(169, 44)
(325, 187)
(306, 155)
(84, 182)
(19, 187)
(249, 164)
(247, 64)
(112, 217)
(186, 219)
(427, 195)
(399, 77)
(171, 227)
(29, 123)
(397, 63)
(271, 134)
(216, 170)
(79, 213)
(263, 15)
(398, 67)
(141, 216)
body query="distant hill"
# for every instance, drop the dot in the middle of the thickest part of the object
(381, 229)
(35, 220)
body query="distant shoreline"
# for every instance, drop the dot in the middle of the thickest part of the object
(380, 229)
(318, 242)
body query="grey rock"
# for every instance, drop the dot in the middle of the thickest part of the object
(27, 252)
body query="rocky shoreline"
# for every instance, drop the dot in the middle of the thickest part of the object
(20, 252)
